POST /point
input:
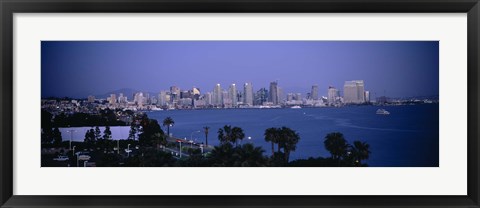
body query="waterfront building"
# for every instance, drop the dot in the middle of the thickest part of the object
(162, 98)
(232, 93)
(273, 97)
(227, 100)
(138, 99)
(261, 96)
(248, 94)
(195, 93)
(332, 95)
(208, 98)
(298, 96)
(354, 92)
(280, 96)
(314, 93)
(367, 96)
(217, 96)
(174, 93)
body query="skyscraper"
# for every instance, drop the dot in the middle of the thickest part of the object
(261, 96)
(354, 92)
(332, 95)
(162, 98)
(273, 93)
(248, 93)
(232, 93)
(367, 96)
(112, 99)
(217, 96)
(314, 93)
(174, 93)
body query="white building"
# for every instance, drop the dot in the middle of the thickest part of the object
(354, 92)
(248, 94)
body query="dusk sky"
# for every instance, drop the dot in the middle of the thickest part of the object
(392, 68)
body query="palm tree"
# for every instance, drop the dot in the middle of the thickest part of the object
(248, 155)
(205, 129)
(360, 151)
(224, 134)
(237, 134)
(271, 136)
(288, 140)
(336, 144)
(168, 122)
(222, 155)
(159, 139)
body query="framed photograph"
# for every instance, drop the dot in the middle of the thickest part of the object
(240, 103)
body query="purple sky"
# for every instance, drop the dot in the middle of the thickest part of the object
(81, 68)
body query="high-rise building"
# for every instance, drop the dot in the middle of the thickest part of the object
(208, 98)
(226, 99)
(314, 93)
(139, 99)
(195, 93)
(122, 99)
(261, 96)
(162, 98)
(174, 93)
(112, 99)
(232, 93)
(367, 96)
(332, 95)
(248, 94)
(280, 95)
(273, 97)
(354, 92)
(217, 96)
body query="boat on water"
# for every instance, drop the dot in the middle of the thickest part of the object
(382, 111)
(295, 107)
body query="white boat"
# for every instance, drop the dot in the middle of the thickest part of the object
(382, 112)
(296, 107)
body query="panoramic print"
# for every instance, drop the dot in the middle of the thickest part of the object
(239, 104)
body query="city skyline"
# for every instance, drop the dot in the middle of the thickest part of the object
(393, 68)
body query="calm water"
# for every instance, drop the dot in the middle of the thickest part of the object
(406, 137)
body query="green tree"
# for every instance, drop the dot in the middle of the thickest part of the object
(160, 139)
(237, 134)
(57, 136)
(90, 136)
(97, 133)
(248, 155)
(336, 144)
(222, 155)
(133, 131)
(271, 135)
(288, 140)
(205, 130)
(107, 134)
(224, 134)
(168, 122)
(360, 151)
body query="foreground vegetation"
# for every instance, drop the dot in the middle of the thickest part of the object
(148, 146)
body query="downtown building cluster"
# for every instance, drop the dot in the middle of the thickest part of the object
(240, 96)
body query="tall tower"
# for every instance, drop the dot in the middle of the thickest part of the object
(354, 92)
(248, 93)
(273, 93)
(232, 93)
(217, 96)
(314, 93)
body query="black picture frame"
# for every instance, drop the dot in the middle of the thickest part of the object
(9, 7)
